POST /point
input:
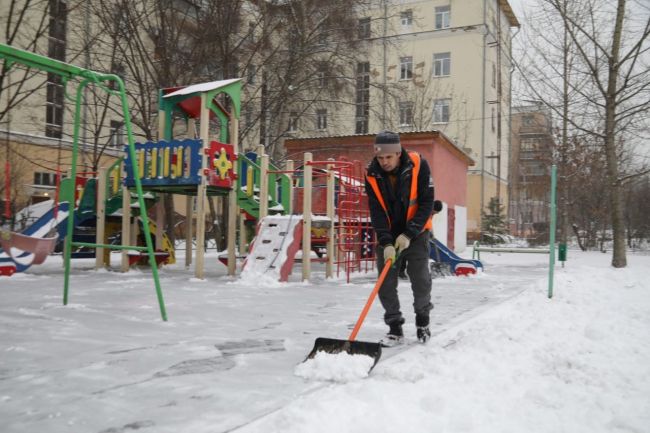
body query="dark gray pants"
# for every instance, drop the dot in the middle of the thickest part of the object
(417, 268)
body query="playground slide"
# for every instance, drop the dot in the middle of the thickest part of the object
(457, 265)
(167, 245)
(39, 229)
(275, 246)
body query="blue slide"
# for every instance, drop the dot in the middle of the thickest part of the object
(441, 254)
(40, 228)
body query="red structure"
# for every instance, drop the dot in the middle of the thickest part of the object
(448, 163)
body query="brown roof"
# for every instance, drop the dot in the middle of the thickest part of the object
(414, 134)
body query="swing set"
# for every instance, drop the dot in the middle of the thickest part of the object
(74, 75)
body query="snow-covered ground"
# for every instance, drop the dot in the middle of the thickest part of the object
(503, 358)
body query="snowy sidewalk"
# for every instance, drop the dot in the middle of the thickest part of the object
(106, 363)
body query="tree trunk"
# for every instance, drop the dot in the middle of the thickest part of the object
(619, 259)
(580, 244)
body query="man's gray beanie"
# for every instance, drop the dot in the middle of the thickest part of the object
(387, 142)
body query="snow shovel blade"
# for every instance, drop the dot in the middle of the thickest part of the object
(334, 346)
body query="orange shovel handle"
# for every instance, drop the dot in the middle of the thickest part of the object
(370, 300)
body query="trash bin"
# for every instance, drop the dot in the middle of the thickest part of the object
(561, 253)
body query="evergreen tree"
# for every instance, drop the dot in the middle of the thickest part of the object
(494, 220)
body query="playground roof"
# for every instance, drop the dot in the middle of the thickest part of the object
(188, 99)
(202, 87)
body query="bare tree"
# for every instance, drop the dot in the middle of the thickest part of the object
(605, 85)
(21, 28)
(637, 209)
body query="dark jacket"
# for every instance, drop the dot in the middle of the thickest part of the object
(397, 200)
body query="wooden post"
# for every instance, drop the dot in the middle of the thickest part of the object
(200, 194)
(290, 169)
(306, 216)
(161, 125)
(241, 219)
(126, 225)
(232, 199)
(329, 273)
(264, 186)
(100, 232)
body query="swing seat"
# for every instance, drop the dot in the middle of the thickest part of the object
(142, 258)
(38, 248)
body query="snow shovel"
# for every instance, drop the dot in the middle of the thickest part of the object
(351, 346)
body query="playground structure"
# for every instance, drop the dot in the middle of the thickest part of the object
(70, 75)
(323, 202)
(327, 199)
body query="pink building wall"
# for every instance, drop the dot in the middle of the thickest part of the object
(448, 163)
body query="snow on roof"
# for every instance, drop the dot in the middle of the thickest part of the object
(202, 87)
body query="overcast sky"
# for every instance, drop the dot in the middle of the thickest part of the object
(517, 6)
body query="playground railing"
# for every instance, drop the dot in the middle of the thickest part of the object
(477, 249)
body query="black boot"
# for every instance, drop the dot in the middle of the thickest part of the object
(395, 335)
(422, 328)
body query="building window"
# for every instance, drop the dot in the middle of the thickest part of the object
(293, 121)
(323, 33)
(406, 18)
(441, 110)
(56, 49)
(363, 28)
(54, 106)
(321, 75)
(44, 178)
(406, 113)
(250, 36)
(362, 103)
(233, 70)
(405, 68)
(251, 74)
(531, 143)
(119, 70)
(528, 120)
(57, 29)
(117, 134)
(321, 119)
(493, 119)
(494, 75)
(248, 115)
(322, 38)
(442, 17)
(441, 64)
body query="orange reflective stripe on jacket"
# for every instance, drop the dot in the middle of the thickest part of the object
(413, 196)
(373, 183)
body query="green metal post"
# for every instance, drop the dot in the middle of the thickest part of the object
(14, 55)
(138, 188)
(551, 247)
(67, 245)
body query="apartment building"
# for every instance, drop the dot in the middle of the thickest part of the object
(440, 65)
(529, 182)
(408, 65)
(36, 106)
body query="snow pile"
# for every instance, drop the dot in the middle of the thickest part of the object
(579, 362)
(340, 367)
(503, 358)
(258, 280)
